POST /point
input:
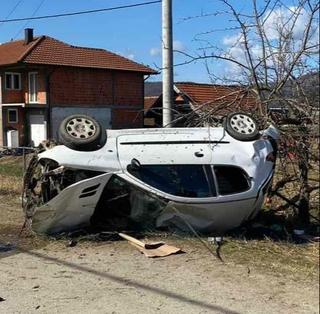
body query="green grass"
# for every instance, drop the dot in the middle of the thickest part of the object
(11, 166)
(297, 261)
(280, 257)
(11, 173)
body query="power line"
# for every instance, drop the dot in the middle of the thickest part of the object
(14, 8)
(79, 12)
(12, 11)
(27, 22)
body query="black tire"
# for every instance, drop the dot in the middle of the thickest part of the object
(81, 132)
(241, 126)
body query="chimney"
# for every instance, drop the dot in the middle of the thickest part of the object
(28, 35)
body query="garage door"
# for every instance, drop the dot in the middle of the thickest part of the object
(37, 129)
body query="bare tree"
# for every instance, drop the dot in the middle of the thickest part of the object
(270, 53)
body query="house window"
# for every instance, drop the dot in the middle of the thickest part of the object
(33, 87)
(12, 115)
(13, 81)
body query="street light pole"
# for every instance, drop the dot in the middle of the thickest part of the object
(167, 63)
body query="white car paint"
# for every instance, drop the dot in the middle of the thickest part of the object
(68, 209)
(172, 146)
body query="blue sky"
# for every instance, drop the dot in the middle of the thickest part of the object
(134, 33)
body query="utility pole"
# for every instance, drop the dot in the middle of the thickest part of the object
(167, 63)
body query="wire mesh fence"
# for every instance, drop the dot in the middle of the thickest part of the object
(22, 151)
(13, 165)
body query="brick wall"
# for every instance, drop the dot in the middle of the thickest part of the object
(93, 87)
(129, 89)
(121, 91)
(21, 96)
(125, 118)
(75, 86)
(12, 96)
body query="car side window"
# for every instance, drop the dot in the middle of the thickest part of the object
(231, 180)
(193, 181)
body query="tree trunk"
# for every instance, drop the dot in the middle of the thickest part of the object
(304, 196)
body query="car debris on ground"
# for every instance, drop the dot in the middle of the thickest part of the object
(154, 249)
(6, 247)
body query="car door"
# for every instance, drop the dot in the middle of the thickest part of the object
(163, 149)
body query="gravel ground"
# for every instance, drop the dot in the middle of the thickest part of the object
(45, 276)
(113, 277)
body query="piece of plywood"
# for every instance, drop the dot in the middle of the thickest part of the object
(157, 249)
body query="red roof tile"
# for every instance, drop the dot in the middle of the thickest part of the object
(210, 96)
(149, 101)
(14, 51)
(49, 51)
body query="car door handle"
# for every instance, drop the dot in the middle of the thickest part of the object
(198, 154)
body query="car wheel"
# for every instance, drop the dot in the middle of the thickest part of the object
(81, 132)
(241, 126)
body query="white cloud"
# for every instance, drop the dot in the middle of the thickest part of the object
(178, 45)
(277, 23)
(155, 51)
(232, 40)
(282, 19)
(130, 56)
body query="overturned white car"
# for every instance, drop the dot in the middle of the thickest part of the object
(213, 179)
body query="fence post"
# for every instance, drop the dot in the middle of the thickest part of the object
(24, 160)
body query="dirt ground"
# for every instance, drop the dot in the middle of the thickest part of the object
(44, 276)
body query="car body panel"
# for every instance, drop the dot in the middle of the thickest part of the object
(72, 208)
(180, 146)
(207, 217)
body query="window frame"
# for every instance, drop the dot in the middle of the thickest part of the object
(12, 74)
(17, 115)
(248, 178)
(211, 179)
(35, 85)
(207, 172)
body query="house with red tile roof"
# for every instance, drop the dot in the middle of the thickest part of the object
(194, 101)
(43, 80)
